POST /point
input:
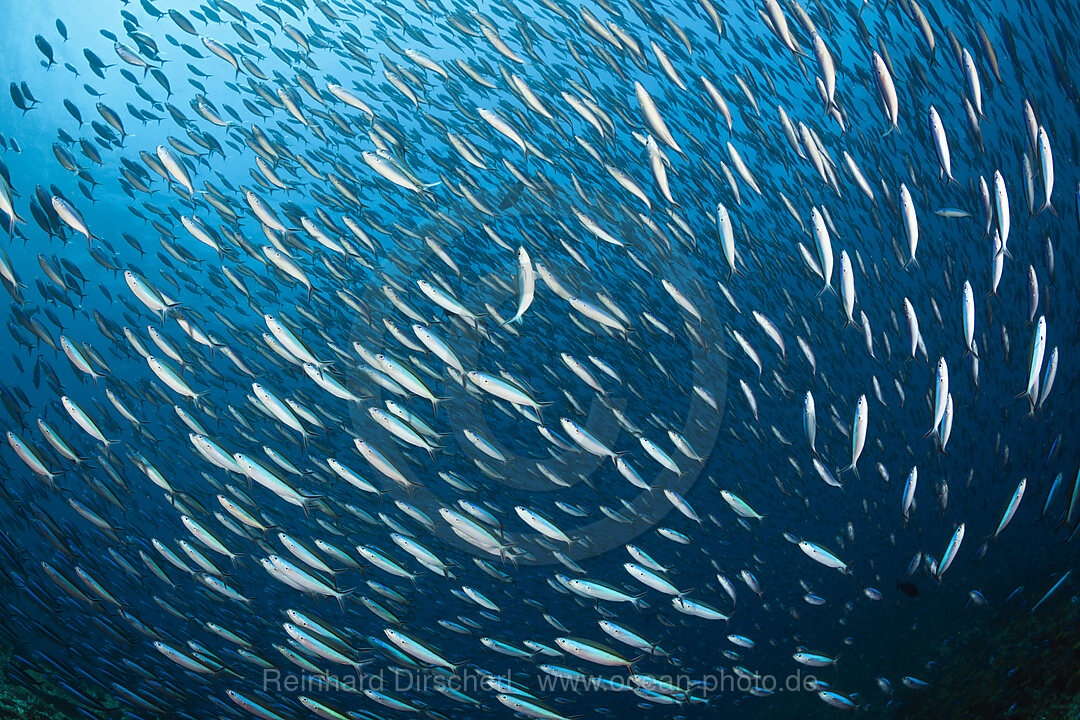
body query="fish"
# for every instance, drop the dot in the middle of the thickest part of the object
(886, 88)
(810, 421)
(434, 360)
(1010, 509)
(941, 394)
(823, 556)
(950, 551)
(909, 494)
(526, 282)
(858, 433)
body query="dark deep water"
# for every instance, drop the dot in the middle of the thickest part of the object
(317, 219)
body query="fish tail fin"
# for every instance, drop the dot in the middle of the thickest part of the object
(341, 595)
(169, 306)
(508, 555)
(197, 397)
(539, 409)
(1047, 206)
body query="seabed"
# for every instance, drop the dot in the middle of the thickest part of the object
(1018, 664)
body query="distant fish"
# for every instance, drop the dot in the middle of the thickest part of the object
(46, 50)
(908, 588)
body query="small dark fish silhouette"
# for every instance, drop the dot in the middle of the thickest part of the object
(512, 196)
(18, 99)
(908, 588)
(45, 48)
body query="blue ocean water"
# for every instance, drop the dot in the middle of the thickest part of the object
(369, 359)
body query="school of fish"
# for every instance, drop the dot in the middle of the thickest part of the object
(534, 359)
